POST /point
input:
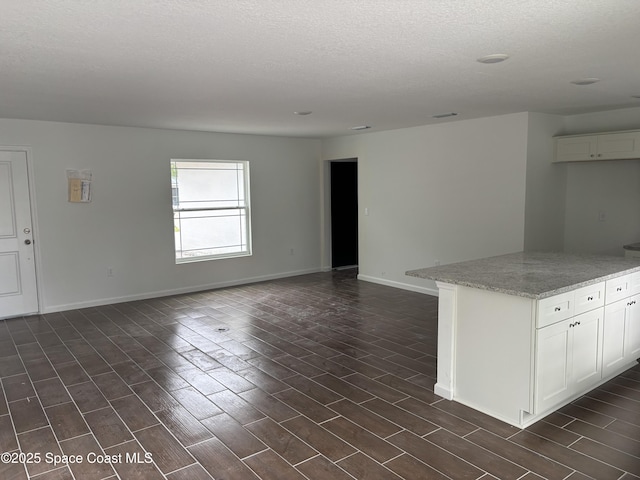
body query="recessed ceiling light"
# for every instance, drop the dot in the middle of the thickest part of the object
(585, 81)
(303, 112)
(493, 58)
(361, 127)
(445, 115)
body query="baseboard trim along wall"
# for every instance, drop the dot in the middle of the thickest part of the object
(176, 291)
(401, 285)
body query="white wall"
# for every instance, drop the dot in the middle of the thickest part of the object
(607, 121)
(447, 192)
(609, 187)
(129, 225)
(546, 186)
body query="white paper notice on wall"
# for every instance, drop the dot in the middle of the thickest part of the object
(79, 185)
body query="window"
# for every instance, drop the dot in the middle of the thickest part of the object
(211, 217)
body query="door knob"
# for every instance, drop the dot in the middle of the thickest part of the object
(27, 242)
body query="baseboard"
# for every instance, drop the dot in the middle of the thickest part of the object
(443, 391)
(401, 285)
(176, 291)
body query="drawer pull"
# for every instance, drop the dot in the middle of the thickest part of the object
(589, 299)
(619, 289)
(557, 309)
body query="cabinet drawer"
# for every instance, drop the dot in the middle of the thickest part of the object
(635, 283)
(554, 309)
(617, 288)
(589, 297)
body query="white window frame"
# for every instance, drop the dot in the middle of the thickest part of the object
(242, 205)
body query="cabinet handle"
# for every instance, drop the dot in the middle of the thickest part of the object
(599, 155)
(592, 155)
(557, 309)
(589, 298)
(577, 323)
(619, 289)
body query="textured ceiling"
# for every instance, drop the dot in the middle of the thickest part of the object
(245, 66)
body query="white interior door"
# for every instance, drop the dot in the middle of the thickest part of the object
(18, 292)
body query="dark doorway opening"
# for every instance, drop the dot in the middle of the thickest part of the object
(344, 214)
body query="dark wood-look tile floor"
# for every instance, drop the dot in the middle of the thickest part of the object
(313, 377)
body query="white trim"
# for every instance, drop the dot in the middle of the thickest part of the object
(246, 207)
(176, 291)
(447, 320)
(401, 285)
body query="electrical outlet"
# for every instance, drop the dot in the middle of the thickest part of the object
(291, 251)
(602, 216)
(109, 271)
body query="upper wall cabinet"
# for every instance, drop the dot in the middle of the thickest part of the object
(597, 146)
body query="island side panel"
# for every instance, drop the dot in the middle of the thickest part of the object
(446, 339)
(494, 344)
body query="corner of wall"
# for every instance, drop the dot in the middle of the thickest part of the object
(545, 185)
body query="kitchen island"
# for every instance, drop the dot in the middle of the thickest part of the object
(521, 335)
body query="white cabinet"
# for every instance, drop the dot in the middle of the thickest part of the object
(553, 309)
(576, 149)
(588, 298)
(568, 304)
(603, 146)
(568, 358)
(621, 338)
(634, 283)
(618, 288)
(518, 358)
(587, 350)
(632, 331)
(568, 351)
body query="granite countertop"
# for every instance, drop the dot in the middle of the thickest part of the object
(531, 274)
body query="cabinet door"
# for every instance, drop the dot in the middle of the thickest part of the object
(618, 146)
(575, 149)
(553, 365)
(615, 317)
(632, 330)
(586, 343)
